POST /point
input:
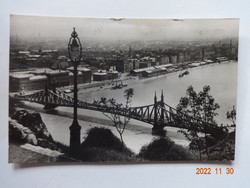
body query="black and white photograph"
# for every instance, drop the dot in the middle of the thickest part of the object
(119, 90)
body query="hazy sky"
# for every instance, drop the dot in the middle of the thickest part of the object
(125, 29)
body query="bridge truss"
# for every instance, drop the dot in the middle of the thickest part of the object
(158, 114)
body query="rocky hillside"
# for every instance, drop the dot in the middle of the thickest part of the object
(28, 127)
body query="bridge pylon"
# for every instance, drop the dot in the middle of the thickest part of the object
(158, 127)
(155, 109)
(48, 105)
(162, 107)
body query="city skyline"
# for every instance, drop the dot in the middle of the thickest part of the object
(108, 29)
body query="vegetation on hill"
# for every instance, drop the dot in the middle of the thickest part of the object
(163, 149)
(102, 145)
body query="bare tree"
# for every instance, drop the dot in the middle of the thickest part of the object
(118, 113)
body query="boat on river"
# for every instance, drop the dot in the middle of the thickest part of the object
(183, 73)
(120, 86)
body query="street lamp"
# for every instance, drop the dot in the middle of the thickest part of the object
(75, 53)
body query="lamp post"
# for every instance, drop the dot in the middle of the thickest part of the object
(75, 53)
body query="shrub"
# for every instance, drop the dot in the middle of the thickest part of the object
(12, 105)
(102, 138)
(62, 147)
(223, 151)
(93, 154)
(102, 145)
(163, 149)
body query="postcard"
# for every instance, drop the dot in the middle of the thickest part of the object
(122, 90)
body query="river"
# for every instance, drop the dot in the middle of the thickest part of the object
(222, 79)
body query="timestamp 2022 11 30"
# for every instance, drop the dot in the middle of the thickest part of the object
(209, 171)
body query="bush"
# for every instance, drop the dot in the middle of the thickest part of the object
(63, 148)
(102, 138)
(12, 105)
(219, 133)
(102, 145)
(93, 154)
(163, 149)
(223, 151)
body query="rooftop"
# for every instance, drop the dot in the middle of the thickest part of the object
(83, 69)
(100, 73)
(39, 77)
(143, 69)
(21, 76)
(24, 52)
(78, 73)
(164, 66)
(112, 72)
(155, 70)
(34, 56)
(57, 72)
(48, 71)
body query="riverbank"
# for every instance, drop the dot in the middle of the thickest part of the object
(99, 142)
(92, 150)
(135, 135)
(127, 80)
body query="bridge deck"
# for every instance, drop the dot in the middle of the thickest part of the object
(157, 114)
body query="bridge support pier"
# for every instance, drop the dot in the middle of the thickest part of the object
(158, 130)
(49, 106)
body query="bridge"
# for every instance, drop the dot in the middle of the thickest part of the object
(158, 114)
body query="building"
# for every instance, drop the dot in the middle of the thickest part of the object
(39, 78)
(151, 71)
(147, 62)
(173, 59)
(130, 64)
(19, 82)
(60, 63)
(86, 74)
(138, 72)
(164, 60)
(187, 56)
(27, 82)
(112, 75)
(134, 63)
(80, 79)
(181, 58)
(100, 76)
(165, 66)
(154, 72)
(83, 76)
(144, 64)
(37, 82)
(58, 78)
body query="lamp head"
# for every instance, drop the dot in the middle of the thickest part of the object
(75, 47)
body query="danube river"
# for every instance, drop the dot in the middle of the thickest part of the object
(222, 79)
